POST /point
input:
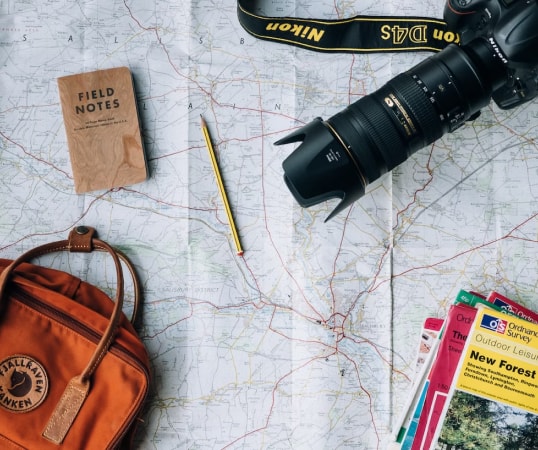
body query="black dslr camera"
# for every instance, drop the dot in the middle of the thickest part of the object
(497, 58)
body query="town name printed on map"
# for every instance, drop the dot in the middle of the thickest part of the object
(103, 131)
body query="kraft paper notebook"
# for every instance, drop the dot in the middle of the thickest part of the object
(103, 130)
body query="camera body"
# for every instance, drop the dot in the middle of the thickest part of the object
(496, 59)
(511, 26)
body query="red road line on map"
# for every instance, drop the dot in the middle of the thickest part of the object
(41, 160)
(64, 230)
(464, 252)
(273, 400)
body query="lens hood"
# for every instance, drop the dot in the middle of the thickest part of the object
(321, 168)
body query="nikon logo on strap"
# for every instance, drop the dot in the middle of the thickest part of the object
(301, 31)
(359, 34)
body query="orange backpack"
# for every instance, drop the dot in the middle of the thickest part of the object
(73, 372)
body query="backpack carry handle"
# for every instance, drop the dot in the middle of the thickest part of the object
(81, 239)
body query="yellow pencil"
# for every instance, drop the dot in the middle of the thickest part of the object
(209, 146)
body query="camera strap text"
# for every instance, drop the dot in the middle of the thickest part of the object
(359, 34)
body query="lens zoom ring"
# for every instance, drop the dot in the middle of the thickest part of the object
(419, 105)
(389, 143)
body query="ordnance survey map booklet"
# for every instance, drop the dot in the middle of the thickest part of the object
(456, 329)
(512, 307)
(457, 325)
(493, 399)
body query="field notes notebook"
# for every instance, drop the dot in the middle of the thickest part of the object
(103, 130)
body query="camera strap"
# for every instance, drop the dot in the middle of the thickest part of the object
(359, 34)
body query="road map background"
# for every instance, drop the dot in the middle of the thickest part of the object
(310, 339)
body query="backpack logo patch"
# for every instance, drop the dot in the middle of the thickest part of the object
(23, 383)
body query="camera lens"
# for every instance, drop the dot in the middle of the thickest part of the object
(340, 156)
